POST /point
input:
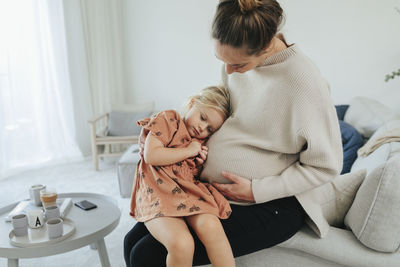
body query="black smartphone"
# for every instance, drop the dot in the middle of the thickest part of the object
(85, 205)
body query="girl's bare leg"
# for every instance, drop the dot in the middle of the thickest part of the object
(174, 234)
(211, 233)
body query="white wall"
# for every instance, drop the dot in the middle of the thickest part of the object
(169, 50)
(354, 43)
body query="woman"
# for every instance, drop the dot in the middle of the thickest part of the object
(281, 142)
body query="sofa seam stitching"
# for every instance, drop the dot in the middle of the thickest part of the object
(374, 202)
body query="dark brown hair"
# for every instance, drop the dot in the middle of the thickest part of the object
(247, 23)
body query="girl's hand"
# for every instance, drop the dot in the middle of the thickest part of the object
(201, 158)
(240, 190)
(194, 149)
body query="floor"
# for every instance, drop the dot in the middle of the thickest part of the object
(73, 177)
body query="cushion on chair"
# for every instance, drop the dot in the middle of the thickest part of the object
(123, 123)
(367, 115)
(374, 216)
(351, 142)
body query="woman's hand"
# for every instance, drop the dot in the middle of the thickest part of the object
(240, 190)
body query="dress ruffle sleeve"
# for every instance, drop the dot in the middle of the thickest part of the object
(163, 125)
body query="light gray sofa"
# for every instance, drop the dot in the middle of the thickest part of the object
(374, 216)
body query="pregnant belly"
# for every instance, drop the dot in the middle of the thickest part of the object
(242, 159)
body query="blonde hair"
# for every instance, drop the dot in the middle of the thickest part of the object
(216, 97)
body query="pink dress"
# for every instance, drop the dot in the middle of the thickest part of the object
(172, 190)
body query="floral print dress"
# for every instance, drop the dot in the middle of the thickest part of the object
(172, 190)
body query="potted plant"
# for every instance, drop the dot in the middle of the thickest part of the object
(394, 73)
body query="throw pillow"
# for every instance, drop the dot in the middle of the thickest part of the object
(382, 153)
(332, 200)
(351, 142)
(341, 111)
(340, 193)
(374, 216)
(367, 115)
(123, 123)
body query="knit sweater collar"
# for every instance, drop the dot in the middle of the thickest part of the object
(281, 55)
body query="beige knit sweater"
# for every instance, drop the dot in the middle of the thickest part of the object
(283, 134)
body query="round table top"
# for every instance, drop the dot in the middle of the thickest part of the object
(91, 226)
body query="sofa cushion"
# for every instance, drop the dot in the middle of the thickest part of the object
(374, 216)
(382, 153)
(367, 115)
(340, 193)
(332, 200)
(373, 160)
(339, 248)
(351, 142)
(123, 123)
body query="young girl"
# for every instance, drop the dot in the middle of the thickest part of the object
(166, 194)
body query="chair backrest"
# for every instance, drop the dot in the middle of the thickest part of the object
(133, 107)
(122, 118)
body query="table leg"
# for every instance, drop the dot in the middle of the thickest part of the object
(12, 263)
(101, 248)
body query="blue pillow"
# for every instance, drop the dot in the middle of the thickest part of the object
(341, 111)
(351, 142)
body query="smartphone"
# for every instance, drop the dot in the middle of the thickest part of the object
(85, 205)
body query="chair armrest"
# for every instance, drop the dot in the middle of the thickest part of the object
(95, 119)
(103, 132)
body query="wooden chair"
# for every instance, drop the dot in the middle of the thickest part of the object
(103, 138)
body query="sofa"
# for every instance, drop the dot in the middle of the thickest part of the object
(368, 232)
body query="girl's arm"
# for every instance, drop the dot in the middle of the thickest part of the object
(157, 155)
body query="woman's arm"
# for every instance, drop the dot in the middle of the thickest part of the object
(157, 155)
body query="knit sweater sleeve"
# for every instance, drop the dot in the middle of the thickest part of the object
(316, 133)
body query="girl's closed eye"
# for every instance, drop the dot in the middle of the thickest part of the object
(238, 67)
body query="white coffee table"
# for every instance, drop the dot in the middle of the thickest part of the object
(91, 228)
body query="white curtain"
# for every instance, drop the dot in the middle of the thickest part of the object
(102, 27)
(36, 109)
(95, 47)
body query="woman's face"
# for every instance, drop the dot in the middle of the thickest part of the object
(201, 122)
(237, 59)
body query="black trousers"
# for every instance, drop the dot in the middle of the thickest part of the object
(249, 229)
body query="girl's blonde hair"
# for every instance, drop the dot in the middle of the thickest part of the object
(216, 97)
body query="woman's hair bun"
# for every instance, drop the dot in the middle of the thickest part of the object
(249, 24)
(248, 5)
